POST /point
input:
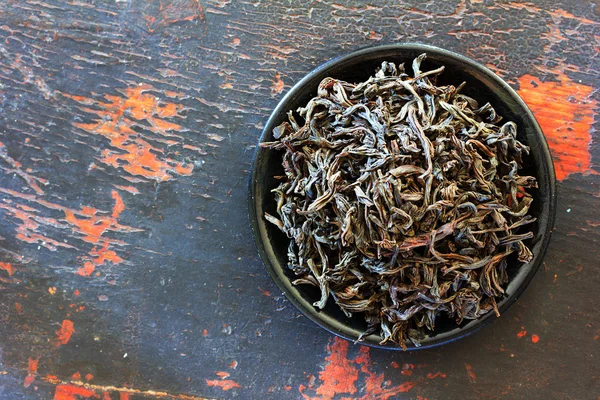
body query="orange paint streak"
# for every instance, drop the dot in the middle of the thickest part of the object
(222, 374)
(72, 392)
(535, 338)
(129, 189)
(119, 205)
(116, 119)
(470, 372)
(31, 371)
(277, 86)
(565, 111)
(8, 268)
(265, 292)
(65, 332)
(226, 384)
(436, 375)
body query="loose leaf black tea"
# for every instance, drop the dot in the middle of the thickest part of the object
(402, 200)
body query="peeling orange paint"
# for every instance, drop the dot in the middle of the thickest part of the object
(565, 111)
(30, 221)
(87, 224)
(87, 269)
(226, 384)
(72, 392)
(535, 338)
(522, 333)
(470, 372)
(187, 10)
(31, 371)
(116, 119)
(341, 376)
(65, 332)
(129, 189)
(277, 86)
(222, 374)
(8, 268)
(77, 390)
(92, 225)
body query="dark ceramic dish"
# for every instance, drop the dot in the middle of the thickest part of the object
(483, 85)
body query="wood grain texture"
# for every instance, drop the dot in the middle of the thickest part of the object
(127, 267)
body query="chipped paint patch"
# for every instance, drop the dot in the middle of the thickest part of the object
(225, 384)
(535, 338)
(175, 11)
(32, 368)
(72, 392)
(277, 86)
(8, 268)
(470, 372)
(343, 376)
(63, 335)
(565, 111)
(116, 119)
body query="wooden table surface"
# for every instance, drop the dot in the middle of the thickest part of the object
(127, 266)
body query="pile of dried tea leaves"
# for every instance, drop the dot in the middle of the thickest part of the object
(402, 200)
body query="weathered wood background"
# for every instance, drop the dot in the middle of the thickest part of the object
(127, 267)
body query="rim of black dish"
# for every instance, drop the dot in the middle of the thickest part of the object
(544, 168)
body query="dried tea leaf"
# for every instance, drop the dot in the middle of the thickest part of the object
(402, 200)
